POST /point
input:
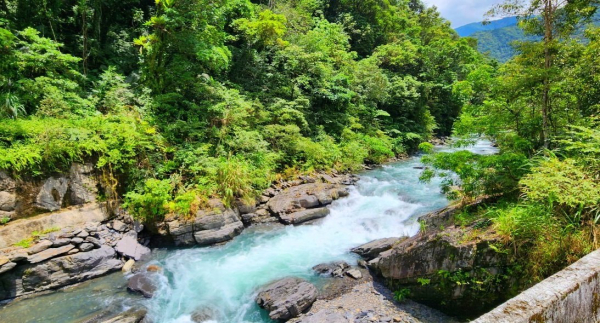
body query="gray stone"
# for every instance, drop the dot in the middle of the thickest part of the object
(83, 187)
(143, 284)
(49, 253)
(308, 201)
(354, 273)
(8, 201)
(60, 242)
(83, 234)
(303, 216)
(119, 226)
(86, 246)
(92, 227)
(95, 241)
(130, 247)
(287, 298)
(223, 234)
(77, 241)
(7, 267)
(329, 268)
(372, 249)
(39, 247)
(52, 193)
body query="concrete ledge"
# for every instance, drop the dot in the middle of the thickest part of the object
(20, 229)
(569, 296)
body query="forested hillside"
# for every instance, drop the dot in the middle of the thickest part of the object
(499, 38)
(541, 109)
(178, 101)
(470, 29)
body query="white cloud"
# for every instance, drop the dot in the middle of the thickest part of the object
(462, 12)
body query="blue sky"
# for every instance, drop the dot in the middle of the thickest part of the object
(462, 12)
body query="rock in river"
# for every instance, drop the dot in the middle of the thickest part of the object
(143, 284)
(287, 298)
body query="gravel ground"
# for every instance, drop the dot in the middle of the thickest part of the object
(370, 302)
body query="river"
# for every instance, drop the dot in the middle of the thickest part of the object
(386, 202)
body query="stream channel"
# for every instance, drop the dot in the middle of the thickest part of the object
(386, 202)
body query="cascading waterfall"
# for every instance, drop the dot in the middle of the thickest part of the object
(223, 280)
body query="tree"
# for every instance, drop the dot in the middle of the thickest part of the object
(553, 19)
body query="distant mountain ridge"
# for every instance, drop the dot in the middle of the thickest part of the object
(470, 29)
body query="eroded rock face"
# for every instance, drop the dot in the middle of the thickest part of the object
(83, 185)
(304, 216)
(287, 298)
(133, 315)
(52, 193)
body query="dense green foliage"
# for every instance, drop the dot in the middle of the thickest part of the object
(180, 101)
(541, 109)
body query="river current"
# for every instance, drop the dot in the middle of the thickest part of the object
(386, 202)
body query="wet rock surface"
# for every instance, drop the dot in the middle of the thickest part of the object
(287, 298)
(142, 283)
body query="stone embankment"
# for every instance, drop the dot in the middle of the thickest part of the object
(569, 296)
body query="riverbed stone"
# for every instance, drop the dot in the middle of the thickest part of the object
(287, 298)
(59, 242)
(119, 226)
(304, 216)
(130, 247)
(354, 273)
(39, 247)
(52, 193)
(18, 256)
(328, 269)
(86, 246)
(49, 253)
(142, 283)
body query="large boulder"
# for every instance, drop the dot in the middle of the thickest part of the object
(304, 216)
(214, 225)
(457, 269)
(371, 250)
(52, 193)
(8, 201)
(287, 298)
(142, 283)
(131, 248)
(58, 272)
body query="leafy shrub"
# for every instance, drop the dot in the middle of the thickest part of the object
(150, 203)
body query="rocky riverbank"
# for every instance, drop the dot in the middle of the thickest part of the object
(53, 250)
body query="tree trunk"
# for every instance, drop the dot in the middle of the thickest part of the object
(548, 37)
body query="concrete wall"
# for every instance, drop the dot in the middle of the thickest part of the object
(570, 296)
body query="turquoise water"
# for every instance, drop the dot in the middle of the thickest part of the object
(385, 203)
